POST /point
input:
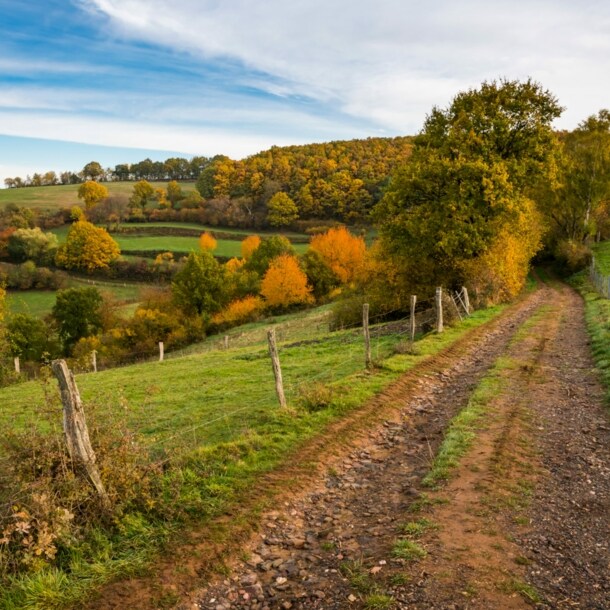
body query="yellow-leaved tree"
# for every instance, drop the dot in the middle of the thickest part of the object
(343, 252)
(285, 283)
(87, 247)
(91, 193)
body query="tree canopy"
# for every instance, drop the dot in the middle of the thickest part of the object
(92, 192)
(199, 287)
(469, 181)
(78, 312)
(87, 247)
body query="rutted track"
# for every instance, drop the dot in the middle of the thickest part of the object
(373, 463)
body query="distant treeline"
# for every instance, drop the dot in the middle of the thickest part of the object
(174, 168)
(337, 180)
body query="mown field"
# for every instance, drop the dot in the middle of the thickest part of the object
(61, 196)
(216, 415)
(174, 243)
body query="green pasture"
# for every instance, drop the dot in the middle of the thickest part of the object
(171, 243)
(39, 303)
(61, 196)
(216, 415)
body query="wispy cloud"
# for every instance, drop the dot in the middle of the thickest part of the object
(206, 76)
(390, 60)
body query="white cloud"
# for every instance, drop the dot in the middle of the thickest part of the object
(388, 61)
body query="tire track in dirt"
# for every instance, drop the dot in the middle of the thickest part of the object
(330, 546)
(567, 541)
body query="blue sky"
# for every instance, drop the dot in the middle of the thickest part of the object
(153, 78)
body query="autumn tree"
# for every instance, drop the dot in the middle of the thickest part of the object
(470, 180)
(207, 242)
(199, 287)
(30, 338)
(269, 248)
(87, 247)
(32, 245)
(574, 207)
(142, 192)
(320, 276)
(93, 170)
(285, 283)
(249, 245)
(91, 193)
(281, 210)
(78, 312)
(342, 252)
(174, 193)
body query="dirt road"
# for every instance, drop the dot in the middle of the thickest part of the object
(523, 520)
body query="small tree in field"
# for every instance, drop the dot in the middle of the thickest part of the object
(87, 247)
(207, 243)
(91, 193)
(285, 284)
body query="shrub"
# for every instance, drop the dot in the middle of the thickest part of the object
(238, 312)
(46, 505)
(315, 397)
(574, 254)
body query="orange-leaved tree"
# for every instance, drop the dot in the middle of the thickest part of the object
(248, 245)
(233, 265)
(342, 252)
(207, 243)
(285, 283)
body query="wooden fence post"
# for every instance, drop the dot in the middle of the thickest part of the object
(94, 360)
(161, 353)
(75, 428)
(412, 321)
(17, 365)
(368, 363)
(466, 300)
(277, 369)
(226, 343)
(439, 310)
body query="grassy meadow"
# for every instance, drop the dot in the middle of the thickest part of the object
(216, 416)
(40, 302)
(61, 196)
(174, 243)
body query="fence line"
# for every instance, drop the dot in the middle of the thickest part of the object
(599, 280)
(350, 352)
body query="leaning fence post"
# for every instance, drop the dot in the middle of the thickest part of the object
(17, 365)
(439, 310)
(412, 321)
(368, 363)
(466, 299)
(161, 352)
(277, 369)
(94, 360)
(75, 428)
